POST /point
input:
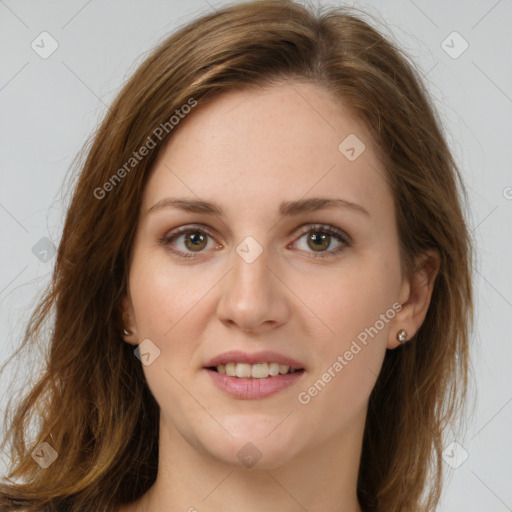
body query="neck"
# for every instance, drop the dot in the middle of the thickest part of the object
(322, 479)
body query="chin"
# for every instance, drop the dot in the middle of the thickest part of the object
(250, 455)
(254, 447)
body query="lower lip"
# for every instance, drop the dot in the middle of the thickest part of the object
(250, 389)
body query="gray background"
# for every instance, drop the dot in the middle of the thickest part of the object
(48, 108)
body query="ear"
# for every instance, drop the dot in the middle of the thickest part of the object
(415, 295)
(128, 322)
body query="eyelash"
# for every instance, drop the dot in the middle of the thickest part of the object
(339, 235)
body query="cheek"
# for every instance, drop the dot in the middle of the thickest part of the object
(357, 308)
(355, 302)
(167, 305)
(165, 295)
(350, 299)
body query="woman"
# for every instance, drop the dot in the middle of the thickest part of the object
(262, 295)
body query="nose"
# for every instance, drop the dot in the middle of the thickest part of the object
(254, 298)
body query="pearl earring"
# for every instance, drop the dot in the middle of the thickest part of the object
(401, 335)
(127, 333)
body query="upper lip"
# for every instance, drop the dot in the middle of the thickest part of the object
(266, 356)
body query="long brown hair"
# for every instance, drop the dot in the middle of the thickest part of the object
(92, 404)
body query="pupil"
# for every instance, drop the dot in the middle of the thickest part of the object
(319, 241)
(195, 239)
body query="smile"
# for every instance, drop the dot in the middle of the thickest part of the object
(249, 376)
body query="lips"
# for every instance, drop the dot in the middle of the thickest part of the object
(243, 383)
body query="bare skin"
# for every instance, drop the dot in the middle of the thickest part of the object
(248, 152)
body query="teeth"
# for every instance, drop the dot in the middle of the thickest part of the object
(256, 371)
(273, 369)
(243, 370)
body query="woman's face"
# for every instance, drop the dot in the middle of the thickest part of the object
(265, 275)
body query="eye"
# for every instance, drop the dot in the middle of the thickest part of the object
(319, 238)
(193, 240)
(190, 241)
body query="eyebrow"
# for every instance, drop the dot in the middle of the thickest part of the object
(287, 208)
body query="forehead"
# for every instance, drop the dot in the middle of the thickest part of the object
(282, 142)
